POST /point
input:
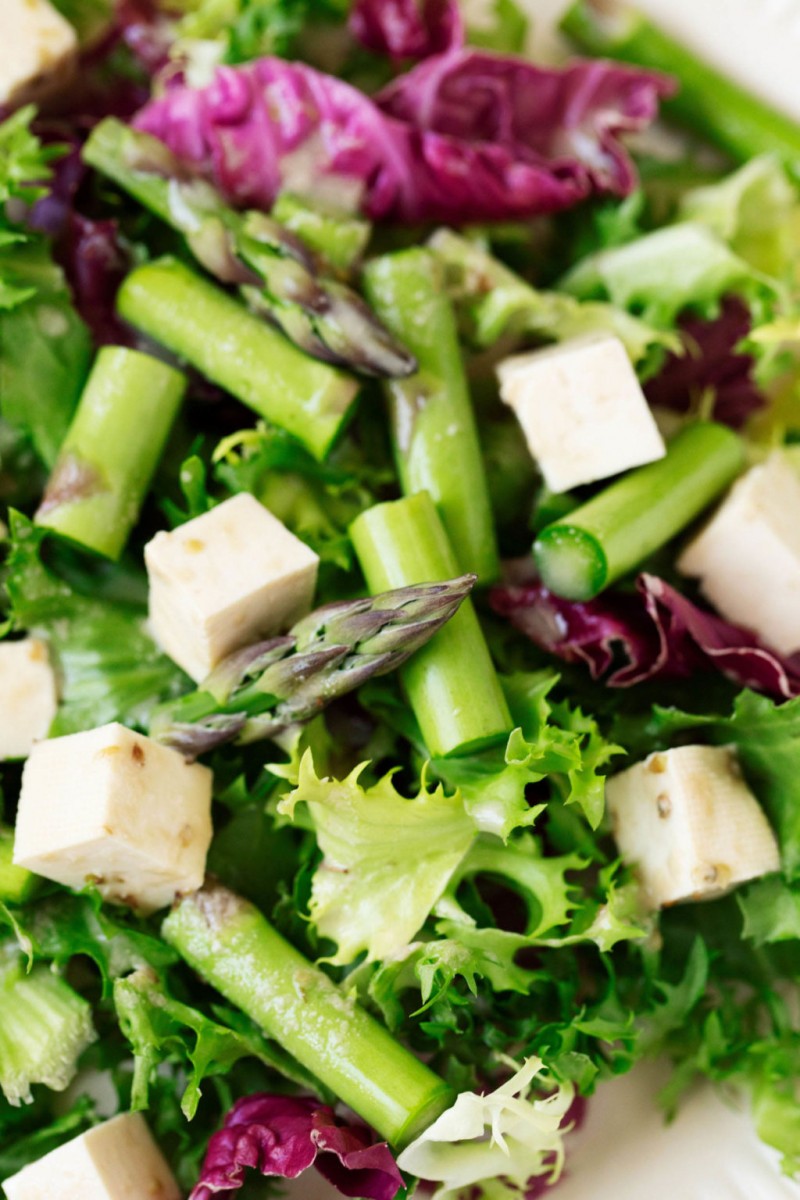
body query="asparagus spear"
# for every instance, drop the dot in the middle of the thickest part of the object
(707, 101)
(451, 684)
(231, 945)
(434, 432)
(339, 237)
(262, 689)
(212, 331)
(111, 450)
(281, 279)
(611, 534)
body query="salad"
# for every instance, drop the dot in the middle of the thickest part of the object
(400, 672)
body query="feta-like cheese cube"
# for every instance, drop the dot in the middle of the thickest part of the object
(582, 411)
(118, 1160)
(28, 698)
(747, 558)
(689, 824)
(115, 808)
(38, 49)
(225, 579)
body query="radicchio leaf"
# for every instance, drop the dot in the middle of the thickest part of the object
(656, 634)
(465, 136)
(283, 1136)
(711, 363)
(407, 29)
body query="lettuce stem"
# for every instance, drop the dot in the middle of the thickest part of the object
(451, 683)
(232, 946)
(707, 102)
(618, 528)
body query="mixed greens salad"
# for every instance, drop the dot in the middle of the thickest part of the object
(398, 439)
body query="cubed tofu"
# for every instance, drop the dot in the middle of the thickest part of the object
(689, 824)
(118, 1160)
(28, 696)
(747, 558)
(115, 808)
(224, 579)
(582, 411)
(38, 50)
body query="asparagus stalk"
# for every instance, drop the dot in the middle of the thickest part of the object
(707, 102)
(231, 945)
(44, 1027)
(433, 426)
(611, 534)
(212, 331)
(451, 683)
(111, 450)
(263, 689)
(339, 237)
(278, 275)
(16, 884)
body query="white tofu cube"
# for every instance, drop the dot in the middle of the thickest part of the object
(689, 824)
(38, 50)
(582, 411)
(118, 1160)
(747, 558)
(115, 808)
(225, 579)
(28, 697)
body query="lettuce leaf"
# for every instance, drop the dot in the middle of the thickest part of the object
(386, 859)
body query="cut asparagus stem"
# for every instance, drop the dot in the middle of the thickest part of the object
(279, 275)
(230, 944)
(433, 426)
(111, 450)
(707, 102)
(616, 530)
(263, 689)
(16, 884)
(212, 331)
(339, 237)
(451, 683)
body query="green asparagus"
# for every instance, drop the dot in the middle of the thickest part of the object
(111, 450)
(433, 425)
(707, 101)
(262, 689)
(339, 237)
(451, 684)
(233, 948)
(212, 331)
(278, 275)
(611, 534)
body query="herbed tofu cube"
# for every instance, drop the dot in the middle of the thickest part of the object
(38, 50)
(115, 808)
(747, 558)
(225, 579)
(118, 1160)
(28, 697)
(581, 409)
(689, 824)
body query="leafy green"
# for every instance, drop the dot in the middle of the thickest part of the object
(771, 910)
(386, 860)
(109, 667)
(91, 18)
(499, 25)
(39, 1131)
(247, 29)
(24, 161)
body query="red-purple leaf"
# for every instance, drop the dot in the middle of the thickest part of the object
(711, 363)
(655, 634)
(465, 136)
(405, 28)
(283, 1136)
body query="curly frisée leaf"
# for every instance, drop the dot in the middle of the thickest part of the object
(386, 859)
(508, 1134)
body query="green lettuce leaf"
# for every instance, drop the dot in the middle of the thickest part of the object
(771, 910)
(386, 860)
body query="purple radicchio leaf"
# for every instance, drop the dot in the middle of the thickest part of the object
(283, 1136)
(465, 136)
(711, 363)
(655, 633)
(407, 29)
